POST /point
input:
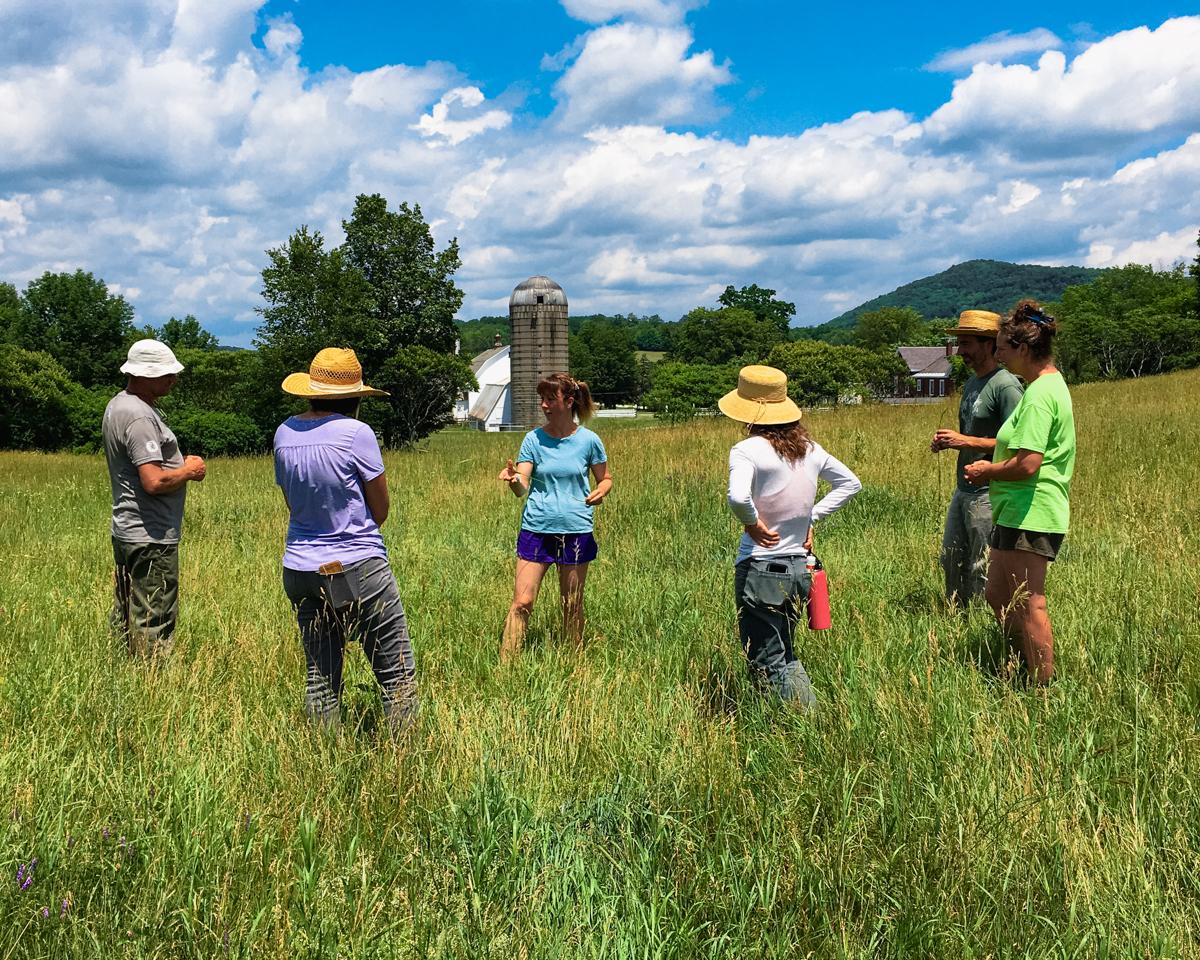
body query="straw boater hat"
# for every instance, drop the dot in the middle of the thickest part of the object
(335, 372)
(150, 358)
(760, 398)
(976, 323)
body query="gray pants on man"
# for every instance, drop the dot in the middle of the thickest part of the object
(145, 595)
(965, 545)
(361, 602)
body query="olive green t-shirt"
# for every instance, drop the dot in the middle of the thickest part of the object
(986, 403)
(1044, 422)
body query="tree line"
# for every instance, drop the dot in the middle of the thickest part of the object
(1119, 322)
(386, 291)
(390, 294)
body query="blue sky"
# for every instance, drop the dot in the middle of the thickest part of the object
(796, 64)
(644, 153)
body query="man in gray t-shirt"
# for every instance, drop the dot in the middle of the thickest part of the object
(988, 399)
(148, 476)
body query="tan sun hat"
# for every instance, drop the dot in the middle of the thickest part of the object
(334, 372)
(761, 397)
(976, 323)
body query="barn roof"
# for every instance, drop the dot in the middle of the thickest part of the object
(925, 361)
(482, 358)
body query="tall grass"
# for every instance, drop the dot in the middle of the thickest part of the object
(638, 800)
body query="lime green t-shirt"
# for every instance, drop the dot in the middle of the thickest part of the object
(1044, 422)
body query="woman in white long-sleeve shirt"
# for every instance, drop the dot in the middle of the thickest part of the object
(773, 478)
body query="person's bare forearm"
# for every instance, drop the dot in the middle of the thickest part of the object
(1011, 469)
(168, 481)
(981, 443)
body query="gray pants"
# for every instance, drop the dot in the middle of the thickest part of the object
(145, 595)
(965, 545)
(770, 594)
(360, 602)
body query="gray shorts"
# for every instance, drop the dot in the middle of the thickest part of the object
(1030, 541)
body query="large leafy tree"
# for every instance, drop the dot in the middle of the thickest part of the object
(10, 308)
(74, 318)
(413, 298)
(424, 385)
(1131, 321)
(825, 373)
(602, 354)
(889, 327)
(762, 303)
(727, 335)
(187, 334)
(315, 299)
(1194, 270)
(384, 290)
(682, 389)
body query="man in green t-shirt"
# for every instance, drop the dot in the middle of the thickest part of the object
(988, 398)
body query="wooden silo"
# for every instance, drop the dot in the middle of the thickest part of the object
(537, 311)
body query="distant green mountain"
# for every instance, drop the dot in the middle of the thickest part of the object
(976, 284)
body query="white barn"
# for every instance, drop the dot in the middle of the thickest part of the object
(490, 407)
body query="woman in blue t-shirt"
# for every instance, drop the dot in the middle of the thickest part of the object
(556, 524)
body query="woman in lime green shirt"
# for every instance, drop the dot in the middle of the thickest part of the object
(1029, 480)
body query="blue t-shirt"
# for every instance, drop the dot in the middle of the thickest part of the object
(560, 480)
(322, 466)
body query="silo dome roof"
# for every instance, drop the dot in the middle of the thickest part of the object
(527, 293)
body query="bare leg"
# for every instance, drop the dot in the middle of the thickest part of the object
(525, 591)
(1016, 591)
(571, 578)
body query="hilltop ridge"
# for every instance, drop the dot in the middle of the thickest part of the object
(974, 284)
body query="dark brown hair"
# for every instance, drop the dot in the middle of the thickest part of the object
(790, 440)
(567, 387)
(1029, 325)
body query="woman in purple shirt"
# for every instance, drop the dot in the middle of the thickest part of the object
(335, 566)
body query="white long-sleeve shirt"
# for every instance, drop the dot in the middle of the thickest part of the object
(764, 486)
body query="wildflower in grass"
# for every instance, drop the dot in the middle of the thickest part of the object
(65, 905)
(104, 832)
(25, 874)
(45, 913)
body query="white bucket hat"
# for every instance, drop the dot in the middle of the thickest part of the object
(150, 358)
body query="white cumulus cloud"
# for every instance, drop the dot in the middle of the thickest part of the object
(649, 11)
(635, 73)
(153, 143)
(1133, 88)
(438, 125)
(997, 48)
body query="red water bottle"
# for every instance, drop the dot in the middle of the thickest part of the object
(818, 595)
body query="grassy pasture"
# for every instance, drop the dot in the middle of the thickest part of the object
(638, 800)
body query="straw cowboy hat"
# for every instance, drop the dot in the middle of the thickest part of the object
(976, 323)
(334, 372)
(150, 359)
(760, 398)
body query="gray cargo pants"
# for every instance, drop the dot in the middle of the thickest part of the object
(770, 594)
(145, 595)
(361, 602)
(965, 545)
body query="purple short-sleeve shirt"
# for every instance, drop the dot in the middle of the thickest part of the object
(321, 466)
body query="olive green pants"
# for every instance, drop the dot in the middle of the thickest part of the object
(145, 595)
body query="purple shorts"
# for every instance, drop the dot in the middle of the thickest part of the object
(564, 548)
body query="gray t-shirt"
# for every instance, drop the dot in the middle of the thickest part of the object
(986, 403)
(135, 433)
